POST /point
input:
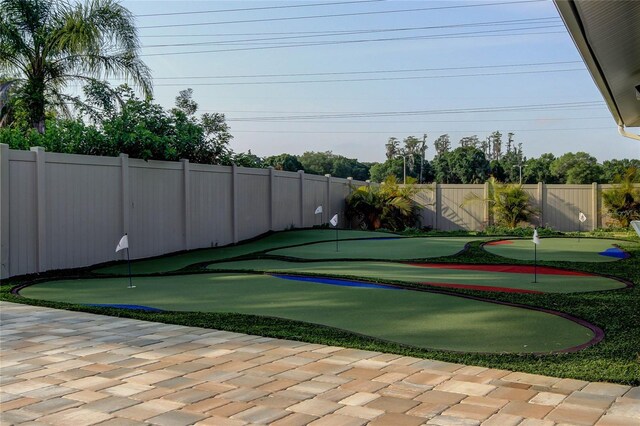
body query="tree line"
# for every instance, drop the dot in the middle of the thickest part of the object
(475, 161)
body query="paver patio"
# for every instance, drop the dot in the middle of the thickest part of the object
(70, 368)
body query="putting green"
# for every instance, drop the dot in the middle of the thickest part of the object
(410, 317)
(280, 239)
(381, 271)
(395, 249)
(556, 249)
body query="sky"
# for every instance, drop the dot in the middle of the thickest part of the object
(345, 76)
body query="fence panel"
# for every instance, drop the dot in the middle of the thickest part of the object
(156, 211)
(253, 202)
(286, 199)
(563, 205)
(211, 201)
(82, 207)
(455, 213)
(21, 256)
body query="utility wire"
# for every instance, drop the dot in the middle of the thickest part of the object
(371, 31)
(475, 34)
(330, 32)
(248, 9)
(415, 132)
(511, 108)
(531, 64)
(351, 80)
(337, 15)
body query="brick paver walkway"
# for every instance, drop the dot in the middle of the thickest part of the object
(74, 369)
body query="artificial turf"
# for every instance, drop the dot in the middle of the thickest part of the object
(408, 273)
(555, 249)
(617, 313)
(383, 249)
(176, 262)
(415, 318)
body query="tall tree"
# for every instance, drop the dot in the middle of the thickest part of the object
(392, 148)
(539, 170)
(470, 141)
(576, 168)
(442, 144)
(45, 45)
(286, 162)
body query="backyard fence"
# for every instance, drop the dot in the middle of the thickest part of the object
(61, 211)
(558, 206)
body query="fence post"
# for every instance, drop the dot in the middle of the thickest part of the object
(438, 205)
(485, 196)
(41, 209)
(541, 202)
(186, 171)
(234, 202)
(272, 206)
(4, 210)
(326, 213)
(594, 205)
(301, 173)
(124, 194)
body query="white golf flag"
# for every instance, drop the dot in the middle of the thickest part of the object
(582, 217)
(536, 238)
(334, 220)
(318, 210)
(123, 244)
(635, 224)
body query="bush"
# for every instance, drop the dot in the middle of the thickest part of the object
(623, 200)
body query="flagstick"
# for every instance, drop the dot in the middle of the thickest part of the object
(129, 262)
(579, 223)
(337, 239)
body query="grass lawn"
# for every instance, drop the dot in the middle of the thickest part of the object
(556, 249)
(616, 312)
(420, 319)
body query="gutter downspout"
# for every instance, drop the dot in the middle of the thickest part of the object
(626, 134)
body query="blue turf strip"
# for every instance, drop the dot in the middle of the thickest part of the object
(331, 281)
(133, 307)
(615, 252)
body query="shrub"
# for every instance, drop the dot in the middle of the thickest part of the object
(623, 200)
(388, 205)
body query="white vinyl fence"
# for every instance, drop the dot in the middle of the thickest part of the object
(61, 211)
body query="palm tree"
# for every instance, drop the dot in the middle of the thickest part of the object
(510, 204)
(45, 45)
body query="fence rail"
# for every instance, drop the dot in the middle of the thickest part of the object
(62, 211)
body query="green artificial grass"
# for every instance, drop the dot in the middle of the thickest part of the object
(400, 249)
(617, 313)
(556, 249)
(415, 318)
(176, 262)
(405, 273)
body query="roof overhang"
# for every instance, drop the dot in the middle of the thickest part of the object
(607, 35)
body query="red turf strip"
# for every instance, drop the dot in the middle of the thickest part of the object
(483, 288)
(513, 269)
(497, 243)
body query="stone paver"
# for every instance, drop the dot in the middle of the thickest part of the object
(70, 368)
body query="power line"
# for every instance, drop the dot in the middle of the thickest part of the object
(416, 131)
(502, 109)
(337, 15)
(314, 74)
(247, 9)
(475, 34)
(449, 121)
(352, 80)
(371, 31)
